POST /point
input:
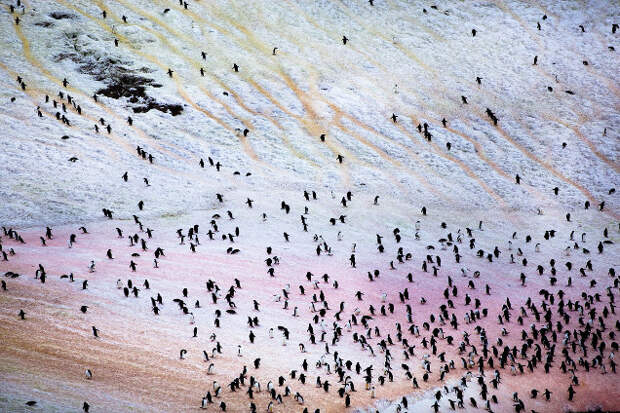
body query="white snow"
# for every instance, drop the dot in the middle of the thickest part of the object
(313, 85)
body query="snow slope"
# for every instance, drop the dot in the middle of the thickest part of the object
(398, 60)
(402, 57)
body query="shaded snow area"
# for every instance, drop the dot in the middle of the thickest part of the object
(394, 206)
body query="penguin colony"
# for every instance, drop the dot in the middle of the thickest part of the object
(270, 291)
